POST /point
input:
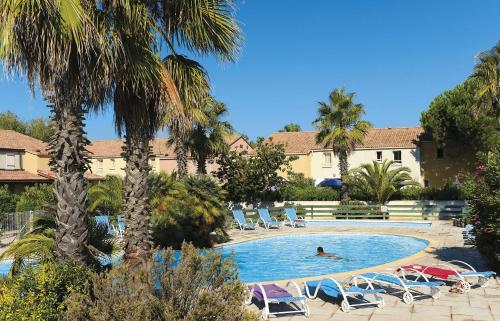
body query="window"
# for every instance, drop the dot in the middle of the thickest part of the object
(439, 153)
(397, 156)
(10, 161)
(379, 156)
(327, 159)
(112, 167)
(99, 165)
(153, 162)
(426, 183)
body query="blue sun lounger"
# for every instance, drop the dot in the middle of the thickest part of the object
(266, 219)
(239, 218)
(409, 288)
(103, 220)
(293, 219)
(347, 293)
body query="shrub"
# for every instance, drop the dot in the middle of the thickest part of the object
(300, 188)
(430, 193)
(7, 201)
(36, 198)
(106, 197)
(39, 293)
(190, 211)
(485, 206)
(199, 287)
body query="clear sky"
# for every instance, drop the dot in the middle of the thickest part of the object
(396, 55)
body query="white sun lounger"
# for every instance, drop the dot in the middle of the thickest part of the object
(348, 293)
(410, 289)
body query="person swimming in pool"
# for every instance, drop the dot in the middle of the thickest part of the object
(321, 252)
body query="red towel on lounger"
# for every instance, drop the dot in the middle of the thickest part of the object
(431, 270)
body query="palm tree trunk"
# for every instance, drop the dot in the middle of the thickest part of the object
(137, 195)
(344, 170)
(201, 164)
(181, 157)
(69, 161)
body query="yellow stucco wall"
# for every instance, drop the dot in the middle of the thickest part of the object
(302, 165)
(32, 163)
(119, 166)
(455, 160)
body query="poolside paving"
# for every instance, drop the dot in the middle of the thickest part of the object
(446, 243)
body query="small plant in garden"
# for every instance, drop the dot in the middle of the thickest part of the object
(36, 197)
(106, 197)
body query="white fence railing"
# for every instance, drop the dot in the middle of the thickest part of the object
(15, 225)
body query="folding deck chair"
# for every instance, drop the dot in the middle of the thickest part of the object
(243, 224)
(266, 219)
(293, 219)
(348, 293)
(268, 294)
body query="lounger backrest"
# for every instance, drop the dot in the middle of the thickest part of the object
(264, 214)
(239, 216)
(291, 213)
(121, 222)
(102, 220)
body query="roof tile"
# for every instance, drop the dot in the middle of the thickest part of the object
(10, 139)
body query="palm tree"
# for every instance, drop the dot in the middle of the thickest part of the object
(208, 138)
(340, 128)
(39, 244)
(486, 78)
(59, 47)
(202, 27)
(380, 181)
(143, 93)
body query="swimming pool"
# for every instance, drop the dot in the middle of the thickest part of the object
(367, 223)
(293, 256)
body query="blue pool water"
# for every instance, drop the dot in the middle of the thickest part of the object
(368, 223)
(289, 257)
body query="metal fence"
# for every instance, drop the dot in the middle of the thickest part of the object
(15, 225)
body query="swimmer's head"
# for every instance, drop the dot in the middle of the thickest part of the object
(320, 249)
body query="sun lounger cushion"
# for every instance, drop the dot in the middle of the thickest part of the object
(331, 289)
(274, 293)
(485, 274)
(430, 270)
(396, 281)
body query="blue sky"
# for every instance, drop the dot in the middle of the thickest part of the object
(396, 55)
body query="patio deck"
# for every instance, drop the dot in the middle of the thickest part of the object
(446, 244)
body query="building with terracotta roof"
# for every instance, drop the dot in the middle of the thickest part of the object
(403, 145)
(24, 160)
(106, 156)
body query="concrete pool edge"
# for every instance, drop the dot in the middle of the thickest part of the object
(429, 249)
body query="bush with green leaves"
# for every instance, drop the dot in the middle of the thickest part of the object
(106, 196)
(7, 202)
(187, 210)
(196, 287)
(485, 205)
(447, 193)
(39, 293)
(36, 197)
(300, 188)
(257, 178)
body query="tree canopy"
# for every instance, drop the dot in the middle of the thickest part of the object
(291, 127)
(39, 128)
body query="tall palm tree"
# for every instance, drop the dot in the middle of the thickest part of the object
(59, 46)
(143, 92)
(380, 181)
(208, 138)
(340, 128)
(202, 27)
(486, 78)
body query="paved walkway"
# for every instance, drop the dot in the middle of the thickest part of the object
(445, 244)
